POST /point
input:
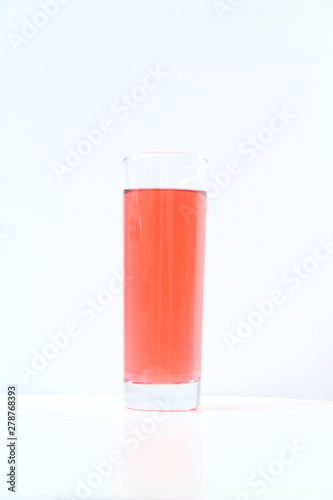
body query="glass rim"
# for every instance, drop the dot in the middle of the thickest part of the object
(199, 159)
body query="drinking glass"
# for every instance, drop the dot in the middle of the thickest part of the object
(164, 215)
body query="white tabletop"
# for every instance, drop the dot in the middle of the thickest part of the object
(228, 449)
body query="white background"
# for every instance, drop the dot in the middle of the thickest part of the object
(61, 241)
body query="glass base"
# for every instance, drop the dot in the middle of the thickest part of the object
(162, 397)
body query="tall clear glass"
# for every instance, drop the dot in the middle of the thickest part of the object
(164, 248)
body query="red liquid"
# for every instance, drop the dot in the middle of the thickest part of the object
(164, 244)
